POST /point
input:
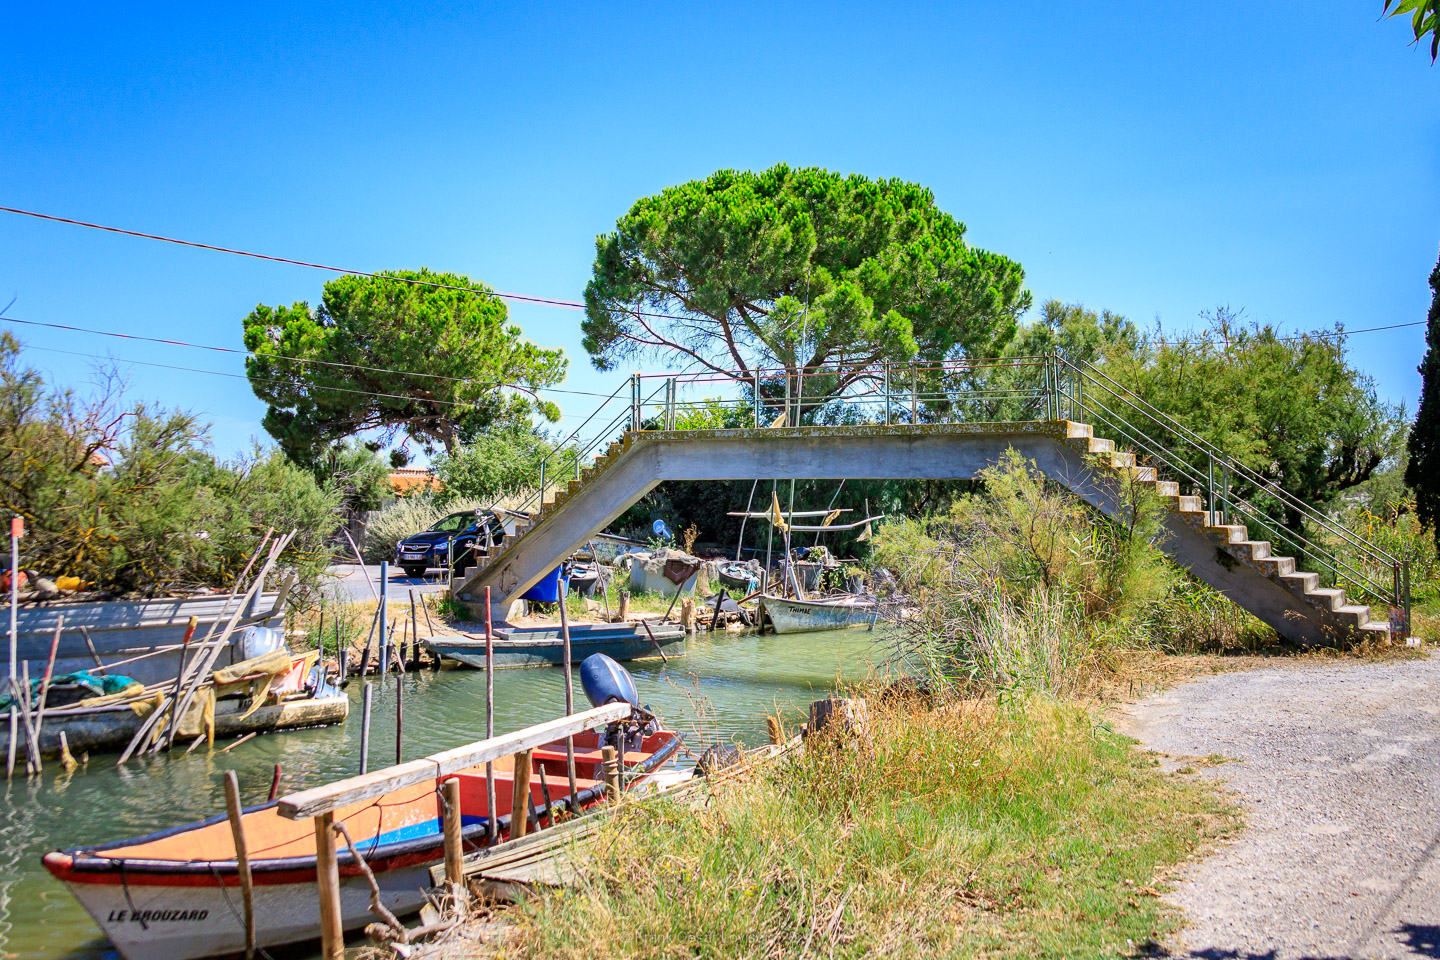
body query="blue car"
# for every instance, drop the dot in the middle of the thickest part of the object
(467, 536)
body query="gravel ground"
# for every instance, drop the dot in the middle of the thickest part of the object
(1338, 772)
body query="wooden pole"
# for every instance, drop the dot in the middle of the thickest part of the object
(454, 854)
(383, 612)
(520, 796)
(604, 586)
(360, 560)
(656, 643)
(622, 615)
(242, 858)
(569, 706)
(414, 631)
(174, 721)
(32, 759)
(90, 645)
(772, 727)
(399, 712)
(715, 617)
(610, 763)
(17, 530)
(545, 794)
(49, 672)
(327, 876)
(492, 827)
(274, 784)
(365, 728)
(365, 659)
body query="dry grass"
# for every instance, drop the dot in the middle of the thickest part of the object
(966, 830)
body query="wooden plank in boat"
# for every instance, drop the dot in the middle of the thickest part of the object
(317, 800)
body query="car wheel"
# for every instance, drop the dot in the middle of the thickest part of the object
(415, 573)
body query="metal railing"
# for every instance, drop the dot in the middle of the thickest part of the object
(1008, 390)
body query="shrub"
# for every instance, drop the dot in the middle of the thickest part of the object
(407, 516)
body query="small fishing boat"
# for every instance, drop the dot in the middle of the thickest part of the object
(175, 895)
(739, 577)
(544, 646)
(302, 696)
(851, 611)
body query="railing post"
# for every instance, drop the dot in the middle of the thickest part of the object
(914, 393)
(1214, 521)
(635, 400)
(886, 382)
(757, 399)
(542, 483)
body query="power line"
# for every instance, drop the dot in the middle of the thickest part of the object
(545, 301)
(276, 356)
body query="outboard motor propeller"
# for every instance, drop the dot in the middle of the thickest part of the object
(605, 681)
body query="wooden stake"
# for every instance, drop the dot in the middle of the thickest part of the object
(715, 617)
(399, 713)
(90, 644)
(569, 706)
(66, 760)
(49, 672)
(274, 784)
(772, 726)
(492, 828)
(656, 643)
(10, 747)
(520, 796)
(623, 613)
(545, 794)
(414, 631)
(365, 728)
(454, 854)
(173, 723)
(242, 857)
(327, 876)
(610, 763)
(32, 759)
(599, 579)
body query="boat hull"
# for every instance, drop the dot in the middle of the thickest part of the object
(113, 727)
(175, 895)
(804, 616)
(181, 922)
(545, 647)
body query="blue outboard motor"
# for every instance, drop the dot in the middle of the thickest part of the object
(605, 681)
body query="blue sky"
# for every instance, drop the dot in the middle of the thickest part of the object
(1153, 159)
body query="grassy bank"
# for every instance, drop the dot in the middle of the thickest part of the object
(966, 830)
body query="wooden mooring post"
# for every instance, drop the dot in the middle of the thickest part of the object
(454, 851)
(610, 763)
(520, 796)
(242, 857)
(320, 803)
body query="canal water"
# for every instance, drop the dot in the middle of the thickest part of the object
(720, 691)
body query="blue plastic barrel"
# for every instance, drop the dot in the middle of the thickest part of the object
(550, 588)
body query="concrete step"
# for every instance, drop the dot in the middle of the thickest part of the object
(1276, 567)
(1326, 598)
(1254, 549)
(1167, 488)
(1190, 505)
(1121, 460)
(1360, 614)
(1300, 583)
(1145, 474)
(1073, 429)
(1228, 533)
(1099, 445)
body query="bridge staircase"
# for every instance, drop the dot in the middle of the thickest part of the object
(1220, 517)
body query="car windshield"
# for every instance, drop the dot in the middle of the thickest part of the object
(454, 523)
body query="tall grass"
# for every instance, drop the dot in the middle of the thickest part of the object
(964, 830)
(1023, 587)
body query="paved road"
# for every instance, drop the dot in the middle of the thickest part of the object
(1339, 775)
(356, 581)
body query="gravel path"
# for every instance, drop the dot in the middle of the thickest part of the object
(1339, 775)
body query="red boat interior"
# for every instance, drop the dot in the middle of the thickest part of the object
(408, 813)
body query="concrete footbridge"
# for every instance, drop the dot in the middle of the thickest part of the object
(1207, 526)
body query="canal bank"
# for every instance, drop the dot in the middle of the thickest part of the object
(721, 690)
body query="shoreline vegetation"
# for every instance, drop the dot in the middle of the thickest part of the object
(993, 811)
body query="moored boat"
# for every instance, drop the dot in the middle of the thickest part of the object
(174, 895)
(544, 646)
(827, 613)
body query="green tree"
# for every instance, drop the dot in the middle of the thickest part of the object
(1422, 473)
(503, 462)
(1424, 19)
(358, 472)
(394, 353)
(1291, 408)
(804, 270)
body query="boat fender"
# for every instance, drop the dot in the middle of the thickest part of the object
(605, 681)
(717, 757)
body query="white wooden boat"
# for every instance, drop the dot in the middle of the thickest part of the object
(175, 895)
(826, 613)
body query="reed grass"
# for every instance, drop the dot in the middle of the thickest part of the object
(970, 829)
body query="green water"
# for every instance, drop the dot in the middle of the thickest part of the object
(719, 691)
